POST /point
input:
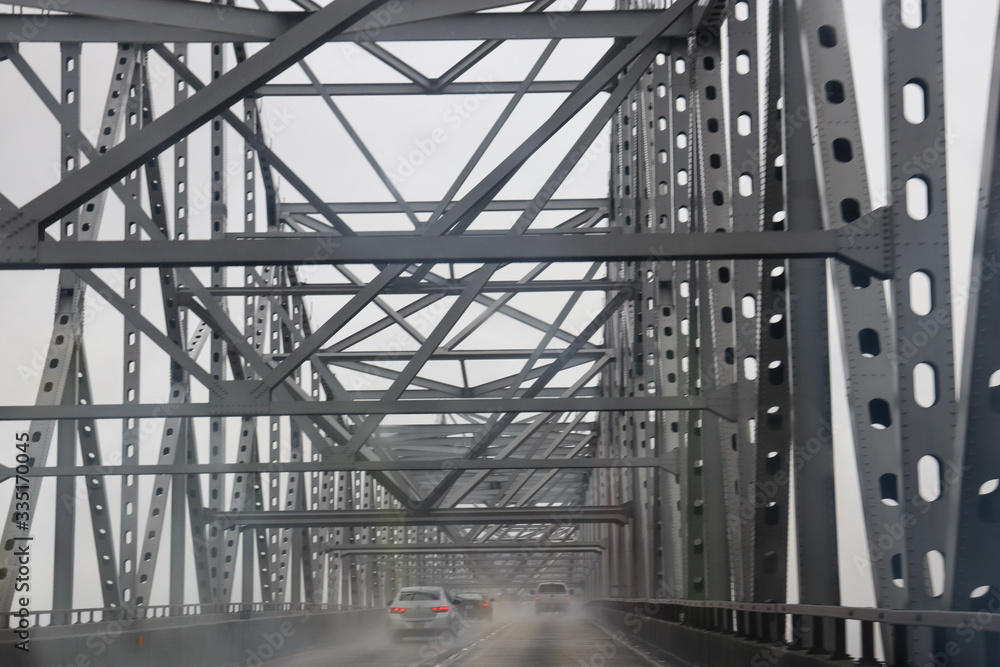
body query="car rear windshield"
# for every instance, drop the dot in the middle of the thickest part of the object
(418, 595)
(551, 588)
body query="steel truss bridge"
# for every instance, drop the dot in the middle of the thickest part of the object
(322, 365)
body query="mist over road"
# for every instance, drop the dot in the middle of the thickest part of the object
(516, 638)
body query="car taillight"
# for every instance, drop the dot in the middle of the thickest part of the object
(567, 597)
(485, 604)
(536, 598)
(439, 609)
(397, 610)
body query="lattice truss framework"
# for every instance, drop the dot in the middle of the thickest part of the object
(624, 391)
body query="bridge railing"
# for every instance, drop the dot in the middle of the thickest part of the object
(53, 617)
(818, 629)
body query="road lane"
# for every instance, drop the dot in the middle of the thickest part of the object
(517, 638)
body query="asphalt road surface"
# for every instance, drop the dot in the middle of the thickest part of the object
(516, 638)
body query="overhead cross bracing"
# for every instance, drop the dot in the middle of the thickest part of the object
(357, 294)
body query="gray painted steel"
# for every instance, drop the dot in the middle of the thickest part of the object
(345, 412)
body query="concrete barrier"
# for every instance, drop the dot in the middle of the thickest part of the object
(692, 646)
(208, 640)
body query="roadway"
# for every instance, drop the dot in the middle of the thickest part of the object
(517, 638)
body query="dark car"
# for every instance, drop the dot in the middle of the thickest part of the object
(474, 605)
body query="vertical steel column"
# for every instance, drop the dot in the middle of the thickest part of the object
(178, 483)
(974, 580)
(713, 318)
(671, 107)
(218, 212)
(819, 94)
(66, 337)
(774, 403)
(717, 301)
(66, 487)
(922, 305)
(128, 531)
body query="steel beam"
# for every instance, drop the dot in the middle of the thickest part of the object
(844, 243)
(566, 516)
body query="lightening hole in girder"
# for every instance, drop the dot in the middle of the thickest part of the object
(745, 184)
(934, 573)
(915, 102)
(850, 209)
(929, 478)
(744, 124)
(827, 36)
(750, 368)
(742, 10)
(772, 513)
(989, 501)
(869, 343)
(835, 92)
(842, 151)
(924, 385)
(994, 391)
(748, 306)
(680, 66)
(879, 414)
(921, 293)
(889, 489)
(776, 373)
(918, 198)
(896, 564)
(682, 140)
(911, 13)
(681, 104)
(979, 592)
(860, 278)
(743, 62)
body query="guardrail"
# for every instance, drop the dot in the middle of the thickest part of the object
(58, 617)
(817, 629)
